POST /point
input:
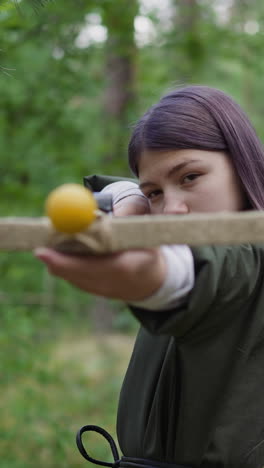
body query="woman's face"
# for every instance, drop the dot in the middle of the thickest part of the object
(190, 181)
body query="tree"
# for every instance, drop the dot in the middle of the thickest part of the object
(120, 63)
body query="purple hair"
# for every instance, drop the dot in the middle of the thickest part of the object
(199, 117)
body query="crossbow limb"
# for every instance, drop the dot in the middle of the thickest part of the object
(109, 234)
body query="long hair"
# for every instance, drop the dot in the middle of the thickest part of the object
(199, 117)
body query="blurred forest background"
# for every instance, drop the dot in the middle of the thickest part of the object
(75, 76)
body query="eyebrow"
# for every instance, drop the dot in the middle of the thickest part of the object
(171, 171)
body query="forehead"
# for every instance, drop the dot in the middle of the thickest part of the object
(157, 162)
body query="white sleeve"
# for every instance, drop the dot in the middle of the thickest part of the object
(178, 282)
(179, 278)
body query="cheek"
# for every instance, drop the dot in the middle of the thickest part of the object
(204, 200)
(230, 193)
(239, 198)
(224, 195)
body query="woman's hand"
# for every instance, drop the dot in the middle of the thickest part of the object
(128, 276)
(132, 205)
(127, 198)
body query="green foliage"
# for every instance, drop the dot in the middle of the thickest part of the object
(33, 306)
(42, 410)
(56, 127)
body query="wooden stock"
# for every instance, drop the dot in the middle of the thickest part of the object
(109, 234)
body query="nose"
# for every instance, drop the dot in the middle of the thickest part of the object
(175, 205)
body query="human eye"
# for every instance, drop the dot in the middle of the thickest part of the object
(188, 178)
(153, 194)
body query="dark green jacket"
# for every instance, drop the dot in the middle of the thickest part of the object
(194, 389)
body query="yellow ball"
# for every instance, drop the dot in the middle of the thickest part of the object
(71, 208)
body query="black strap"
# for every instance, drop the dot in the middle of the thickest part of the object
(124, 462)
(107, 436)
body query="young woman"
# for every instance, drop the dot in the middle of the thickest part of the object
(193, 393)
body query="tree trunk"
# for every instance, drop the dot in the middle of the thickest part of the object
(189, 47)
(239, 15)
(120, 95)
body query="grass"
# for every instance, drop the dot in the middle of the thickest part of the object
(73, 383)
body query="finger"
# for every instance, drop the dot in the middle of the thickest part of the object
(134, 205)
(61, 264)
(93, 274)
(68, 266)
